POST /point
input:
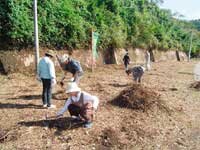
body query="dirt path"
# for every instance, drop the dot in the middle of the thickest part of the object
(174, 126)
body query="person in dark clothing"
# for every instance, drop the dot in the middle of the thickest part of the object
(137, 73)
(70, 65)
(126, 60)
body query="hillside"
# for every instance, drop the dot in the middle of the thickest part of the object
(67, 24)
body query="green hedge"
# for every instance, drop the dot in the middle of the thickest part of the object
(68, 24)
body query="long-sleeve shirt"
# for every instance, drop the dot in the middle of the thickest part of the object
(137, 71)
(73, 66)
(126, 59)
(86, 98)
(46, 69)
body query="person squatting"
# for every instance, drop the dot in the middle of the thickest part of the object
(80, 104)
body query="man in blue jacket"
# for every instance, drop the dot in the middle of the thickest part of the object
(72, 66)
(46, 73)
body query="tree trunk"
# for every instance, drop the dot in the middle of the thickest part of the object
(152, 58)
(177, 56)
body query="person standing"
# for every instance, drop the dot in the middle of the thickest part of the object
(80, 104)
(147, 60)
(70, 65)
(126, 60)
(46, 73)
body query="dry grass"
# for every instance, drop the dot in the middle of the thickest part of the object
(162, 113)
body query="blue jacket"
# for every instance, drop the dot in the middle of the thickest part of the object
(46, 69)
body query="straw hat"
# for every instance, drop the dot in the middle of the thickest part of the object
(72, 87)
(50, 52)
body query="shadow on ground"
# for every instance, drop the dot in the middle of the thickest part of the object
(186, 73)
(57, 96)
(118, 85)
(60, 124)
(19, 106)
(26, 97)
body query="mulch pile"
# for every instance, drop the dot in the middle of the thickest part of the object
(138, 97)
(6, 136)
(109, 139)
(2, 135)
(195, 85)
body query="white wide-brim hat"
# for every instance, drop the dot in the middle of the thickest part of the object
(50, 52)
(64, 58)
(72, 87)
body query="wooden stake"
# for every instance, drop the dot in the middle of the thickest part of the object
(92, 51)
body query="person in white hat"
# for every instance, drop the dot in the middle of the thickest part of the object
(80, 104)
(46, 73)
(70, 65)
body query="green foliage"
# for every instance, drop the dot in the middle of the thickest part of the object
(106, 19)
(4, 20)
(61, 24)
(20, 18)
(120, 23)
(196, 24)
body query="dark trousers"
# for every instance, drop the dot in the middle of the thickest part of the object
(47, 92)
(86, 112)
(126, 65)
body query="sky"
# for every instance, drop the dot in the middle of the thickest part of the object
(189, 8)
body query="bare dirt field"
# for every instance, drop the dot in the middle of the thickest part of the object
(162, 113)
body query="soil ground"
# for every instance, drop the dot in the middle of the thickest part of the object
(161, 113)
